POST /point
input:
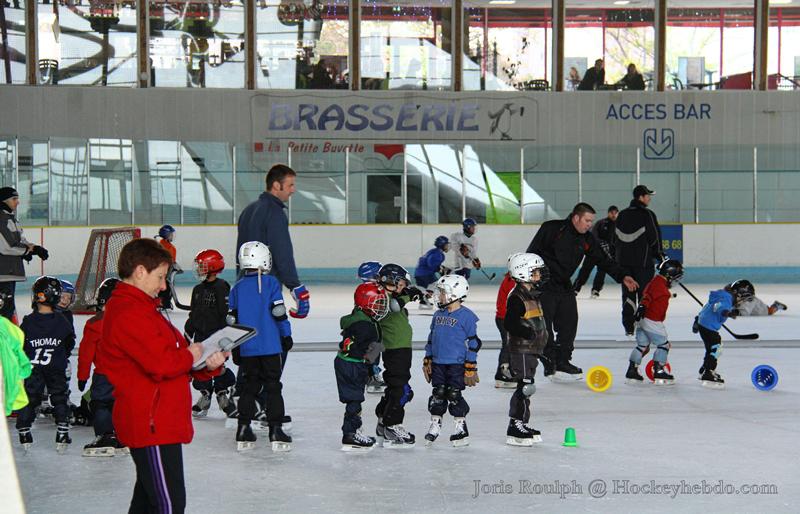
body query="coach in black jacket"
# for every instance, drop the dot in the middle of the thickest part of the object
(638, 244)
(562, 244)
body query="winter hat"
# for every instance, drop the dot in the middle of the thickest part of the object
(7, 193)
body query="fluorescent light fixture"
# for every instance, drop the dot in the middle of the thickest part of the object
(502, 2)
(622, 2)
(780, 2)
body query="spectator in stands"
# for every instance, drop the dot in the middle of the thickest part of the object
(574, 79)
(594, 77)
(633, 80)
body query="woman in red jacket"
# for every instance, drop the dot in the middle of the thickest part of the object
(149, 363)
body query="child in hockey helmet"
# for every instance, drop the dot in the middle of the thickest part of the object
(368, 271)
(672, 270)
(104, 292)
(208, 262)
(528, 268)
(451, 289)
(67, 295)
(742, 290)
(46, 291)
(254, 256)
(369, 298)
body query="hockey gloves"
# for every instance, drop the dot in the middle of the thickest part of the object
(476, 263)
(40, 252)
(732, 314)
(444, 270)
(695, 326)
(286, 343)
(414, 293)
(427, 368)
(639, 312)
(302, 297)
(471, 374)
(464, 250)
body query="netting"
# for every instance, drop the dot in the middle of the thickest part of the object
(99, 263)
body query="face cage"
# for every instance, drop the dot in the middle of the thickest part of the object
(379, 307)
(544, 276)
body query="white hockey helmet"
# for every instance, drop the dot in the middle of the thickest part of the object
(521, 267)
(255, 255)
(454, 288)
(512, 256)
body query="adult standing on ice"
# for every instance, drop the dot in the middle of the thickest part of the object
(265, 220)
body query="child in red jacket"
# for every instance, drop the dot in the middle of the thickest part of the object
(502, 377)
(650, 327)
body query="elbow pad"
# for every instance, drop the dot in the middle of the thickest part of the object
(232, 317)
(476, 345)
(278, 310)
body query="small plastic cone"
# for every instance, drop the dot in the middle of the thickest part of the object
(569, 437)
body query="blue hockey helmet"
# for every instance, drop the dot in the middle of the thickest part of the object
(165, 231)
(469, 226)
(368, 271)
(67, 287)
(441, 242)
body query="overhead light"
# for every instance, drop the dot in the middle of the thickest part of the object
(622, 2)
(502, 2)
(780, 2)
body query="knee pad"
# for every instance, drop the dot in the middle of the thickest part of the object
(408, 395)
(716, 350)
(453, 394)
(528, 389)
(440, 392)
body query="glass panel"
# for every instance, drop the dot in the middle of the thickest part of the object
(506, 49)
(376, 178)
(551, 182)
(251, 171)
(784, 48)
(110, 175)
(69, 182)
(157, 188)
(609, 176)
(207, 188)
(33, 185)
(738, 40)
(12, 42)
(406, 46)
(583, 46)
(197, 44)
(778, 183)
(92, 44)
(302, 46)
(8, 162)
(320, 186)
(694, 48)
(726, 183)
(492, 175)
(436, 170)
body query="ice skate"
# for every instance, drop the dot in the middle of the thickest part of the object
(397, 437)
(520, 434)
(25, 438)
(434, 430)
(548, 366)
(380, 432)
(245, 438)
(503, 379)
(357, 442)
(102, 446)
(660, 375)
(200, 409)
(225, 404)
(632, 376)
(567, 372)
(595, 294)
(375, 384)
(712, 380)
(460, 435)
(63, 439)
(119, 448)
(775, 307)
(281, 442)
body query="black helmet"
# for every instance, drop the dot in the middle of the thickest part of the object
(671, 269)
(392, 274)
(46, 290)
(742, 289)
(105, 290)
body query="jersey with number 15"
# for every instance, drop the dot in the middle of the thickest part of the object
(49, 339)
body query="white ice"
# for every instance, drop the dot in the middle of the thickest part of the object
(679, 436)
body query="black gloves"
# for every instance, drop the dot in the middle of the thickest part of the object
(732, 314)
(476, 263)
(639, 314)
(695, 326)
(81, 385)
(286, 343)
(414, 293)
(40, 252)
(28, 257)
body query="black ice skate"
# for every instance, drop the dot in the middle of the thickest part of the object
(520, 434)
(660, 375)
(375, 384)
(595, 294)
(357, 442)
(397, 437)
(632, 376)
(245, 438)
(25, 438)
(119, 448)
(503, 378)
(380, 431)
(548, 365)
(281, 442)
(63, 439)
(225, 403)
(200, 409)
(434, 430)
(567, 372)
(712, 380)
(460, 435)
(102, 446)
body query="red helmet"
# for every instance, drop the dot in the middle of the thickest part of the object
(371, 299)
(208, 261)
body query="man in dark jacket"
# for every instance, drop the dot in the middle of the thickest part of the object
(265, 220)
(562, 244)
(603, 231)
(594, 77)
(13, 249)
(638, 245)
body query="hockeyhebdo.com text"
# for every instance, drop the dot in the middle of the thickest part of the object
(599, 488)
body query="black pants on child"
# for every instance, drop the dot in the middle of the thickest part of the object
(217, 384)
(56, 382)
(448, 382)
(396, 374)
(262, 372)
(351, 379)
(102, 404)
(159, 484)
(713, 344)
(523, 367)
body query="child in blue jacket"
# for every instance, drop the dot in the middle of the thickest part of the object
(722, 304)
(256, 301)
(450, 358)
(431, 264)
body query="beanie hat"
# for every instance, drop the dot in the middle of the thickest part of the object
(8, 192)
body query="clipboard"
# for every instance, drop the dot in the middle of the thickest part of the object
(223, 340)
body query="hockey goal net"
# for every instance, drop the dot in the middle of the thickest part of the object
(99, 263)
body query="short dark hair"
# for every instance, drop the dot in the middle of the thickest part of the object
(613, 208)
(277, 173)
(144, 252)
(582, 208)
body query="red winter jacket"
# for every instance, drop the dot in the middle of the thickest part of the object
(656, 299)
(147, 361)
(506, 286)
(92, 332)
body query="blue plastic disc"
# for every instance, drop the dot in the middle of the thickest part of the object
(764, 377)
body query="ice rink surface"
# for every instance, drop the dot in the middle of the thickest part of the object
(682, 448)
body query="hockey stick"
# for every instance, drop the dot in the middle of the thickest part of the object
(171, 282)
(487, 275)
(735, 335)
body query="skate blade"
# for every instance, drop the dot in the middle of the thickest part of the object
(392, 445)
(516, 441)
(122, 451)
(99, 452)
(561, 377)
(460, 443)
(27, 447)
(375, 389)
(502, 384)
(712, 385)
(279, 446)
(201, 414)
(243, 446)
(379, 441)
(356, 449)
(664, 382)
(634, 382)
(62, 447)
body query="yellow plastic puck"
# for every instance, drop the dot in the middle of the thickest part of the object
(599, 379)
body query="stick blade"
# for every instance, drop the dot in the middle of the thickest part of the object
(745, 336)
